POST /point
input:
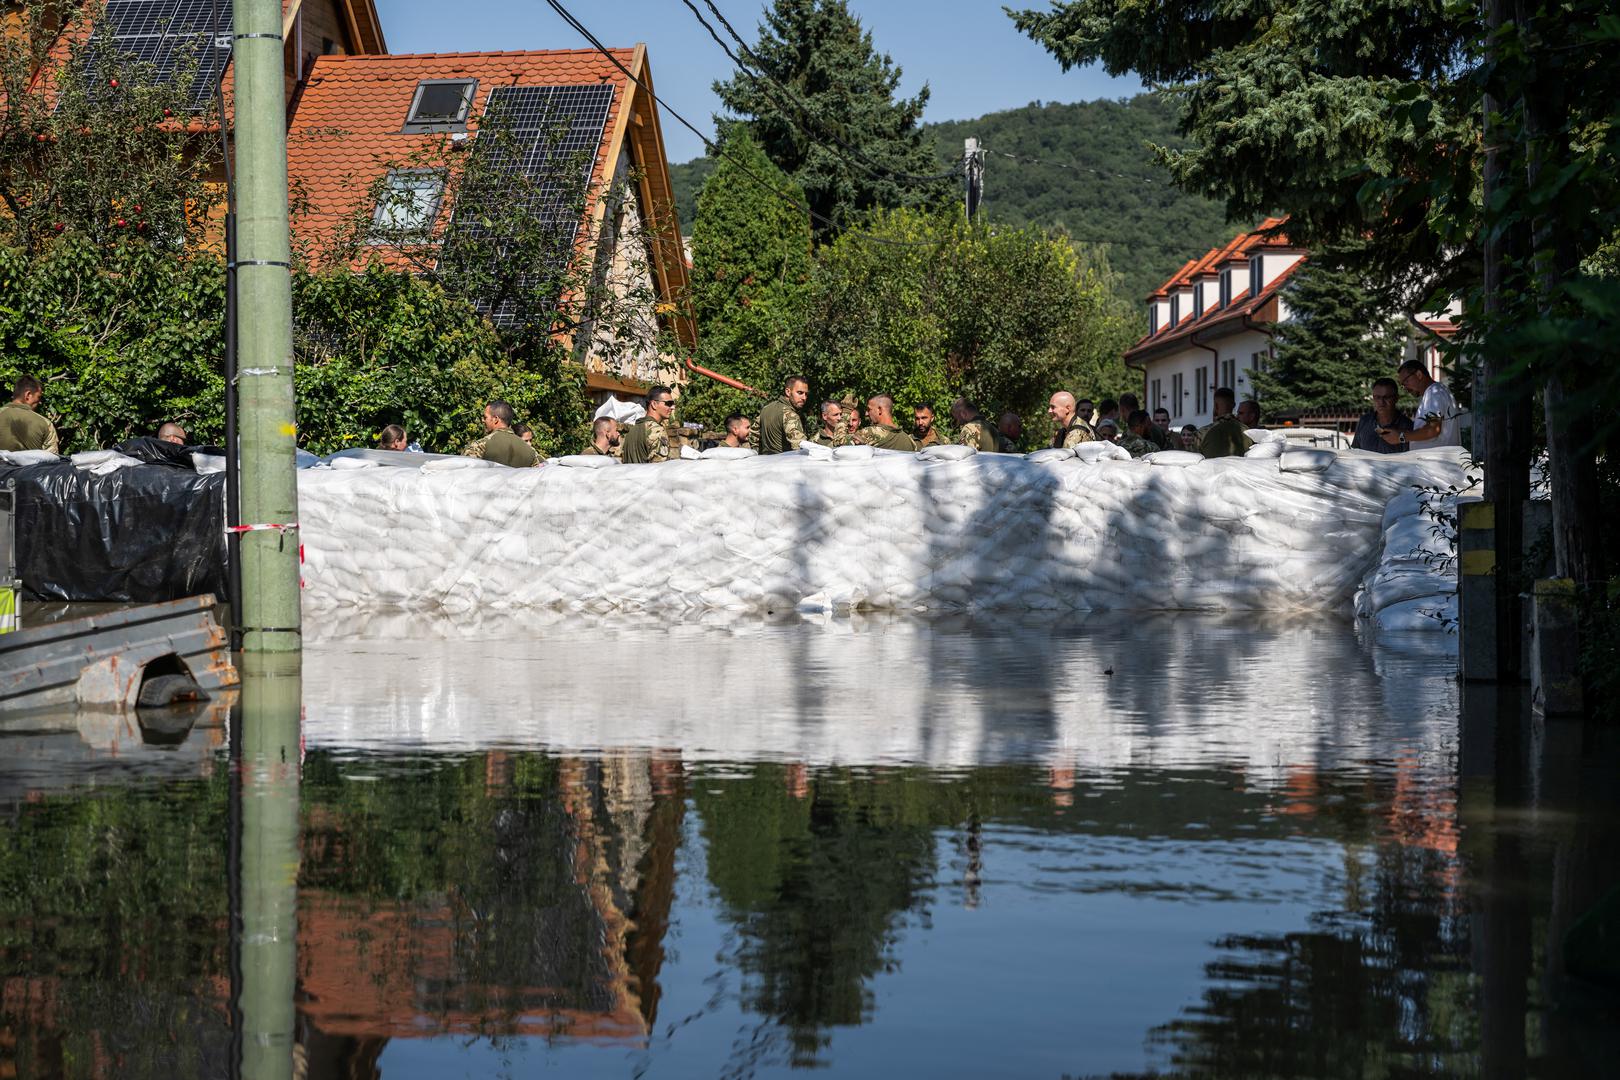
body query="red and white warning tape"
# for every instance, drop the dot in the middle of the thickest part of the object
(290, 526)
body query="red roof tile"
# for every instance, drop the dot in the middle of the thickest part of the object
(346, 127)
(1239, 310)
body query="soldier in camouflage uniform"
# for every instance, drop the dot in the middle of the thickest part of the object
(1071, 430)
(781, 429)
(971, 428)
(1008, 432)
(647, 443)
(922, 428)
(852, 414)
(833, 432)
(1136, 440)
(880, 430)
(500, 445)
(604, 437)
(1224, 437)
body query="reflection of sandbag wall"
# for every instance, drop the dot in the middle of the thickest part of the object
(141, 532)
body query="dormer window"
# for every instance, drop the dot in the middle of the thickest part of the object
(1153, 318)
(1226, 287)
(1198, 301)
(440, 105)
(1175, 308)
(1256, 266)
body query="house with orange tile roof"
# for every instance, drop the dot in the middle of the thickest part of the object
(357, 118)
(1210, 325)
(353, 108)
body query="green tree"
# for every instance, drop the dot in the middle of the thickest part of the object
(101, 145)
(1339, 338)
(750, 268)
(1474, 151)
(820, 99)
(925, 307)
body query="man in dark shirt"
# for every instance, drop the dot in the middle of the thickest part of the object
(1383, 415)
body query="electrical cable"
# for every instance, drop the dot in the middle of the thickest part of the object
(1071, 168)
(714, 148)
(768, 83)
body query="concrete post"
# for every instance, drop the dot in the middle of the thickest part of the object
(1476, 591)
(1555, 678)
(269, 487)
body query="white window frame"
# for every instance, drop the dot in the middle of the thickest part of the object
(386, 224)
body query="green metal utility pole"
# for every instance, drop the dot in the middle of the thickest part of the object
(269, 486)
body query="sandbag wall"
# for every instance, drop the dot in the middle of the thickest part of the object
(889, 531)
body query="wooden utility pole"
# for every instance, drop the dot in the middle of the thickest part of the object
(269, 487)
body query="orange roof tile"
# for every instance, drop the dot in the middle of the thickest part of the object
(1266, 235)
(346, 127)
(1243, 309)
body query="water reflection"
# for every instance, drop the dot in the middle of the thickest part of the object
(877, 846)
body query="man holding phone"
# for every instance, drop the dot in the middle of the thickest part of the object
(1383, 417)
(1437, 412)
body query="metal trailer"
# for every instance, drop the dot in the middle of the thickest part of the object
(103, 661)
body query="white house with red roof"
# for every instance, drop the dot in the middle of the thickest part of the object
(1211, 325)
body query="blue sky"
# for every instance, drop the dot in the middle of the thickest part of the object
(967, 51)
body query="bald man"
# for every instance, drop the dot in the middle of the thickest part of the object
(880, 430)
(1071, 430)
(172, 433)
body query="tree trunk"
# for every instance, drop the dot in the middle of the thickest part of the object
(1502, 417)
(1572, 443)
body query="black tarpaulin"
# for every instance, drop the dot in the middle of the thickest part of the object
(143, 533)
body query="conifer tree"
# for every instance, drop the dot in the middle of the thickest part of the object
(820, 100)
(1338, 340)
(750, 263)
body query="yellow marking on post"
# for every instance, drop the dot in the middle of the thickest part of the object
(1475, 563)
(1481, 515)
(289, 430)
(1554, 587)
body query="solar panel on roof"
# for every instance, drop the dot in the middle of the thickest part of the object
(162, 32)
(547, 129)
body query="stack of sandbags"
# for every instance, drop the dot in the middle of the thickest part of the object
(872, 529)
(1413, 585)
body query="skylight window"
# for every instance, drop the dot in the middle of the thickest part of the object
(440, 105)
(407, 205)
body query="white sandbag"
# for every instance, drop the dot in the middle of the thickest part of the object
(206, 464)
(585, 461)
(1295, 459)
(102, 462)
(28, 457)
(1265, 435)
(854, 452)
(816, 451)
(351, 463)
(689, 452)
(1050, 454)
(457, 464)
(1173, 457)
(1098, 450)
(625, 412)
(727, 453)
(1269, 449)
(947, 452)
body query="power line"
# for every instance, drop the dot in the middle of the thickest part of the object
(753, 67)
(714, 148)
(1071, 168)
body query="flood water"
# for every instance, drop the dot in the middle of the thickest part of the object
(882, 847)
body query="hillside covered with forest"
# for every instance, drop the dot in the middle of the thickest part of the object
(1085, 167)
